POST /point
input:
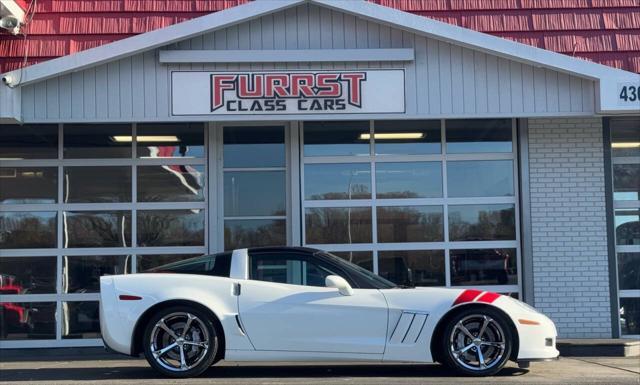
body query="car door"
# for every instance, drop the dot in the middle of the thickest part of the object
(285, 306)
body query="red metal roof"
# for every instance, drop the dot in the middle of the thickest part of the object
(604, 31)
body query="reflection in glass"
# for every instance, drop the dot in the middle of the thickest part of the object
(630, 316)
(171, 183)
(417, 267)
(33, 229)
(627, 222)
(409, 180)
(146, 262)
(254, 147)
(28, 141)
(25, 185)
(249, 193)
(83, 141)
(80, 320)
(170, 140)
(97, 229)
(336, 138)
(626, 181)
(407, 137)
(337, 181)
(482, 222)
(101, 184)
(410, 224)
(480, 178)
(27, 321)
(483, 267)
(81, 274)
(337, 225)
(629, 271)
(170, 227)
(478, 135)
(363, 259)
(27, 275)
(254, 233)
(625, 136)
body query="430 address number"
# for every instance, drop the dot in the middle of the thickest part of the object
(629, 93)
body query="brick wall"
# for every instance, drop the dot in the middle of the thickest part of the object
(569, 230)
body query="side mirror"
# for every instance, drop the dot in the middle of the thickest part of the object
(339, 283)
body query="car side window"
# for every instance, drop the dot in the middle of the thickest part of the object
(289, 269)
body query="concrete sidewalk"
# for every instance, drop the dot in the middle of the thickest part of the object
(594, 370)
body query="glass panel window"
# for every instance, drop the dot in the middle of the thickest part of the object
(246, 147)
(170, 140)
(629, 271)
(407, 137)
(29, 141)
(80, 320)
(27, 320)
(81, 274)
(626, 181)
(409, 180)
(627, 222)
(254, 193)
(27, 275)
(337, 181)
(479, 135)
(625, 134)
(102, 184)
(83, 141)
(171, 183)
(240, 233)
(483, 267)
(338, 225)
(630, 316)
(25, 185)
(363, 259)
(20, 230)
(482, 222)
(336, 138)
(97, 229)
(418, 267)
(289, 270)
(410, 224)
(146, 262)
(480, 178)
(170, 227)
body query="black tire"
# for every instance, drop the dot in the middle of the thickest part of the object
(175, 318)
(454, 341)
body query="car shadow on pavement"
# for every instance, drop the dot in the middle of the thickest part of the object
(66, 373)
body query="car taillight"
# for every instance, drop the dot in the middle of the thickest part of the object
(127, 297)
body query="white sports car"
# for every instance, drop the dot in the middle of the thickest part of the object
(300, 304)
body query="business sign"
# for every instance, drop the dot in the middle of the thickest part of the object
(287, 92)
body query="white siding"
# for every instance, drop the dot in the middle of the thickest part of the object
(443, 81)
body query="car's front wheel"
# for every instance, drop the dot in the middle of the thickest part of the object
(477, 342)
(180, 342)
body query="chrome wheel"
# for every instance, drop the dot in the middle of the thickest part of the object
(477, 342)
(180, 341)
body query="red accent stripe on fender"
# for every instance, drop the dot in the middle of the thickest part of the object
(466, 296)
(488, 297)
(126, 297)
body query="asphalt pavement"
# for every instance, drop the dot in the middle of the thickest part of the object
(117, 371)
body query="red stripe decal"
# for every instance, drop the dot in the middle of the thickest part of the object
(488, 297)
(467, 296)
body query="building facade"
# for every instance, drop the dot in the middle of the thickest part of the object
(425, 152)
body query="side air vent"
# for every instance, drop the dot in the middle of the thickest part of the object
(408, 328)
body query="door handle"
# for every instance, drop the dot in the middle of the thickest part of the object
(236, 289)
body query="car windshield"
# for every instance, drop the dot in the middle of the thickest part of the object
(375, 280)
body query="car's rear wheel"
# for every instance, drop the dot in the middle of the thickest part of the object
(180, 341)
(477, 342)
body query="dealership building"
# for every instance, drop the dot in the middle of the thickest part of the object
(427, 152)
